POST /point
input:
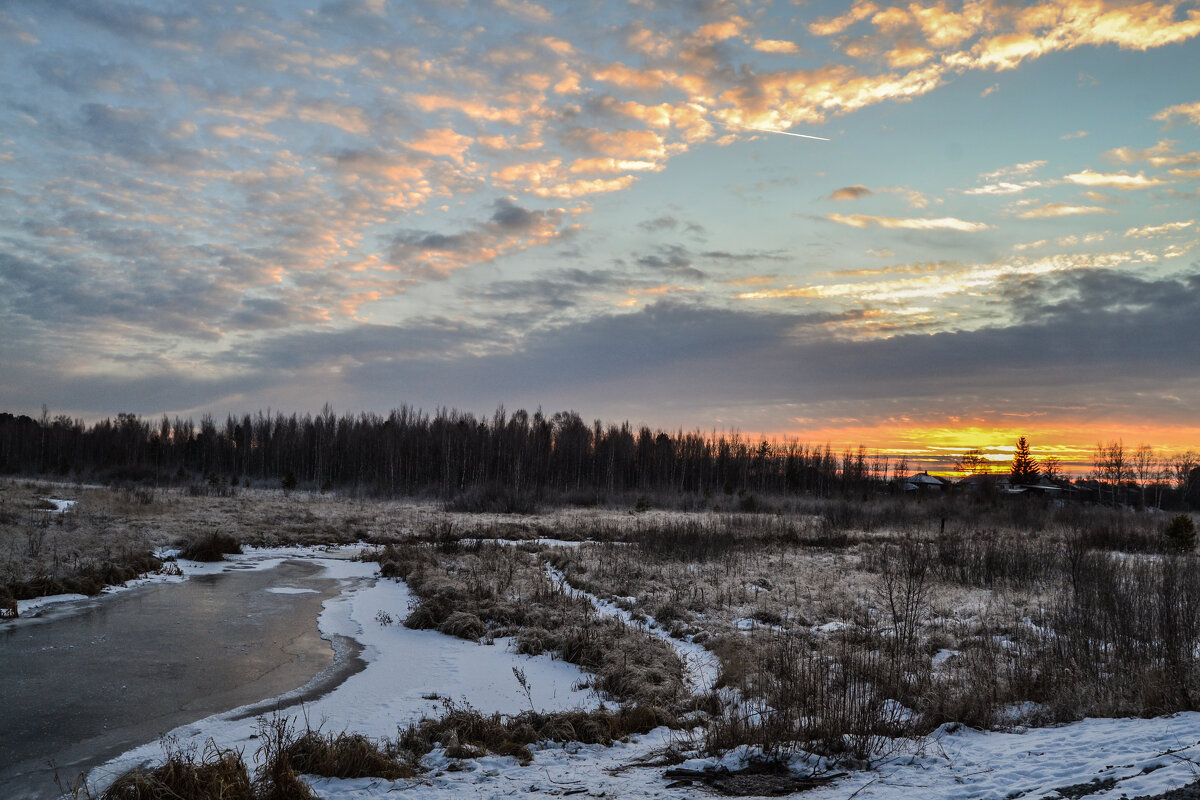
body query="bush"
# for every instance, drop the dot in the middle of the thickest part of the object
(211, 546)
(493, 499)
(1181, 533)
(8, 604)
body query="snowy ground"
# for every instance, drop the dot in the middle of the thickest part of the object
(700, 666)
(406, 670)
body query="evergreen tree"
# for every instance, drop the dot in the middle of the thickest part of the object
(1024, 467)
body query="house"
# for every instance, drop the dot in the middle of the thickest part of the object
(921, 482)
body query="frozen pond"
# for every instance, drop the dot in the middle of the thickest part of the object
(84, 684)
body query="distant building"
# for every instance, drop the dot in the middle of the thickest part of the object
(922, 482)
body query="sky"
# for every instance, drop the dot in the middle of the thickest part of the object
(596, 205)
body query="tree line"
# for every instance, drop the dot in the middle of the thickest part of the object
(519, 455)
(410, 452)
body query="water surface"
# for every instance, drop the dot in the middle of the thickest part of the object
(80, 688)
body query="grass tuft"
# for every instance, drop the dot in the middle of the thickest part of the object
(211, 546)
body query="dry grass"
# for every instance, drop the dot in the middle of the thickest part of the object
(482, 589)
(839, 622)
(346, 755)
(465, 733)
(215, 774)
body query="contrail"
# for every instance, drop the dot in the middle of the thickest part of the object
(769, 130)
(785, 133)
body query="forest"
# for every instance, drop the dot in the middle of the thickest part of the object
(509, 462)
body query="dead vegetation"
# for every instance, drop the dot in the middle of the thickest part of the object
(478, 589)
(211, 546)
(466, 733)
(283, 755)
(841, 625)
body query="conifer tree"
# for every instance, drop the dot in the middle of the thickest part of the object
(1024, 467)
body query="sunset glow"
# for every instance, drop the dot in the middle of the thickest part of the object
(923, 228)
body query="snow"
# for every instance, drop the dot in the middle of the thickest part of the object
(746, 624)
(290, 590)
(406, 668)
(60, 506)
(26, 607)
(408, 673)
(700, 666)
(830, 627)
(953, 763)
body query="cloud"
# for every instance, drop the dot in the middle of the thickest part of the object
(83, 72)
(632, 145)
(1070, 348)
(1118, 180)
(914, 224)
(614, 165)
(831, 26)
(511, 228)
(1022, 169)
(776, 46)
(1148, 231)
(1160, 155)
(1189, 111)
(1003, 187)
(1052, 210)
(441, 142)
(670, 223)
(851, 192)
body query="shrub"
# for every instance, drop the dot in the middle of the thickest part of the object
(8, 604)
(1181, 533)
(493, 498)
(211, 546)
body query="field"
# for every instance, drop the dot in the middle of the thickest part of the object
(828, 644)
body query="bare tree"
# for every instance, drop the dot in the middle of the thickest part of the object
(973, 462)
(1111, 468)
(1052, 467)
(1144, 461)
(1183, 467)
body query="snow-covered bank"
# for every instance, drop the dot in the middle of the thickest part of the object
(408, 672)
(408, 675)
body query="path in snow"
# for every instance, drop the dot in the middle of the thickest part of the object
(700, 665)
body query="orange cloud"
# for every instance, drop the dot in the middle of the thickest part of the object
(629, 78)
(831, 26)
(471, 108)
(776, 46)
(640, 145)
(442, 142)
(581, 188)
